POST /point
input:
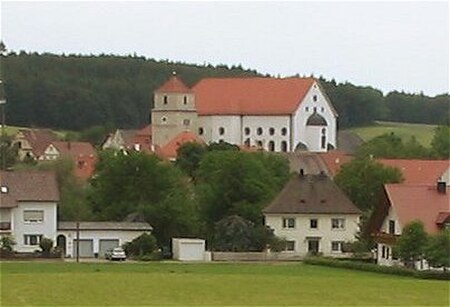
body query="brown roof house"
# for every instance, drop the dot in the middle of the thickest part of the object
(313, 215)
(28, 213)
(33, 142)
(404, 203)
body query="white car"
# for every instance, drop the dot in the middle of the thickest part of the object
(116, 254)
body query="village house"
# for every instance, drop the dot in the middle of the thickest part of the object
(314, 216)
(28, 213)
(131, 139)
(31, 143)
(274, 114)
(403, 204)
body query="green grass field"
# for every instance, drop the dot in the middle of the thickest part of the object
(120, 284)
(423, 133)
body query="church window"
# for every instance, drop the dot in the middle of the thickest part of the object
(271, 131)
(247, 130)
(201, 131)
(271, 146)
(259, 143)
(186, 122)
(283, 131)
(315, 98)
(259, 131)
(166, 99)
(323, 139)
(164, 119)
(185, 100)
(315, 109)
(247, 142)
(283, 146)
(221, 130)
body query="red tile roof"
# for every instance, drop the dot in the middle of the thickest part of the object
(169, 151)
(143, 138)
(334, 160)
(250, 96)
(36, 186)
(174, 85)
(418, 202)
(418, 171)
(83, 154)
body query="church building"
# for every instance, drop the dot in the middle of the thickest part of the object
(274, 114)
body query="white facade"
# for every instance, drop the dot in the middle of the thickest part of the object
(299, 234)
(27, 232)
(189, 249)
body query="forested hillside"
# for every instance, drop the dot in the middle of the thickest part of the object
(77, 92)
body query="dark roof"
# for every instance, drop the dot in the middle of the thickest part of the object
(316, 120)
(315, 194)
(39, 139)
(105, 226)
(18, 186)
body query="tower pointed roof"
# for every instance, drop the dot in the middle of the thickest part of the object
(174, 85)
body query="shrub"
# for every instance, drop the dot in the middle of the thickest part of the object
(145, 244)
(46, 245)
(7, 243)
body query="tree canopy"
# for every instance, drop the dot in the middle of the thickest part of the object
(410, 247)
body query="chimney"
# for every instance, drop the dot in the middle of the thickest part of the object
(441, 187)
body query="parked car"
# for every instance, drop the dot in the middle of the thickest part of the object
(116, 254)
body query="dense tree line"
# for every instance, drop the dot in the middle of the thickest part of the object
(78, 92)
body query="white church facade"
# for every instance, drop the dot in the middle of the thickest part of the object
(275, 114)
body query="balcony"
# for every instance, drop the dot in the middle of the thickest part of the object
(5, 227)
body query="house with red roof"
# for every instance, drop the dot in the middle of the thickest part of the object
(82, 153)
(274, 114)
(403, 204)
(130, 139)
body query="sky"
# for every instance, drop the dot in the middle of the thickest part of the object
(388, 45)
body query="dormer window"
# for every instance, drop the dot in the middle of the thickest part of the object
(166, 99)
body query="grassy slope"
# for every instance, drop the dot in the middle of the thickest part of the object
(210, 284)
(423, 133)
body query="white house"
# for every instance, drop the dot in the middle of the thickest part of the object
(275, 114)
(314, 216)
(28, 213)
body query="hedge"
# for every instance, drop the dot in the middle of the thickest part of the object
(369, 267)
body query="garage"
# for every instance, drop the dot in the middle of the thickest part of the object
(188, 249)
(86, 248)
(105, 244)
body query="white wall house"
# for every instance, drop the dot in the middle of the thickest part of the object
(314, 216)
(274, 114)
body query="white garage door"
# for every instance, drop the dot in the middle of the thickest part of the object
(191, 251)
(105, 244)
(86, 248)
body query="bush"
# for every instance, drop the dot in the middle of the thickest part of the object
(46, 245)
(368, 267)
(144, 245)
(7, 243)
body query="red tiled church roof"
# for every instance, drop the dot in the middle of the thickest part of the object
(250, 96)
(174, 85)
(418, 202)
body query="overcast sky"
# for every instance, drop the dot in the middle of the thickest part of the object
(388, 45)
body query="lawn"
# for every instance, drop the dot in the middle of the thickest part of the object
(423, 133)
(122, 284)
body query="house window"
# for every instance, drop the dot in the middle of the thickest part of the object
(33, 216)
(336, 246)
(337, 223)
(32, 239)
(271, 131)
(391, 226)
(383, 252)
(289, 222)
(185, 100)
(313, 224)
(290, 246)
(259, 131)
(166, 99)
(283, 131)
(247, 130)
(221, 130)
(315, 98)
(186, 122)
(307, 109)
(271, 146)
(283, 146)
(201, 131)
(322, 109)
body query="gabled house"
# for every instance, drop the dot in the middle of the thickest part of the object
(402, 204)
(137, 140)
(33, 142)
(28, 207)
(313, 215)
(82, 153)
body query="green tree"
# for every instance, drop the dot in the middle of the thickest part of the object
(8, 152)
(46, 245)
(441, 142)
(143, 184)
(437, 251)
(143, 245)
(411, 244)
(362, 180)
(189, 156)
